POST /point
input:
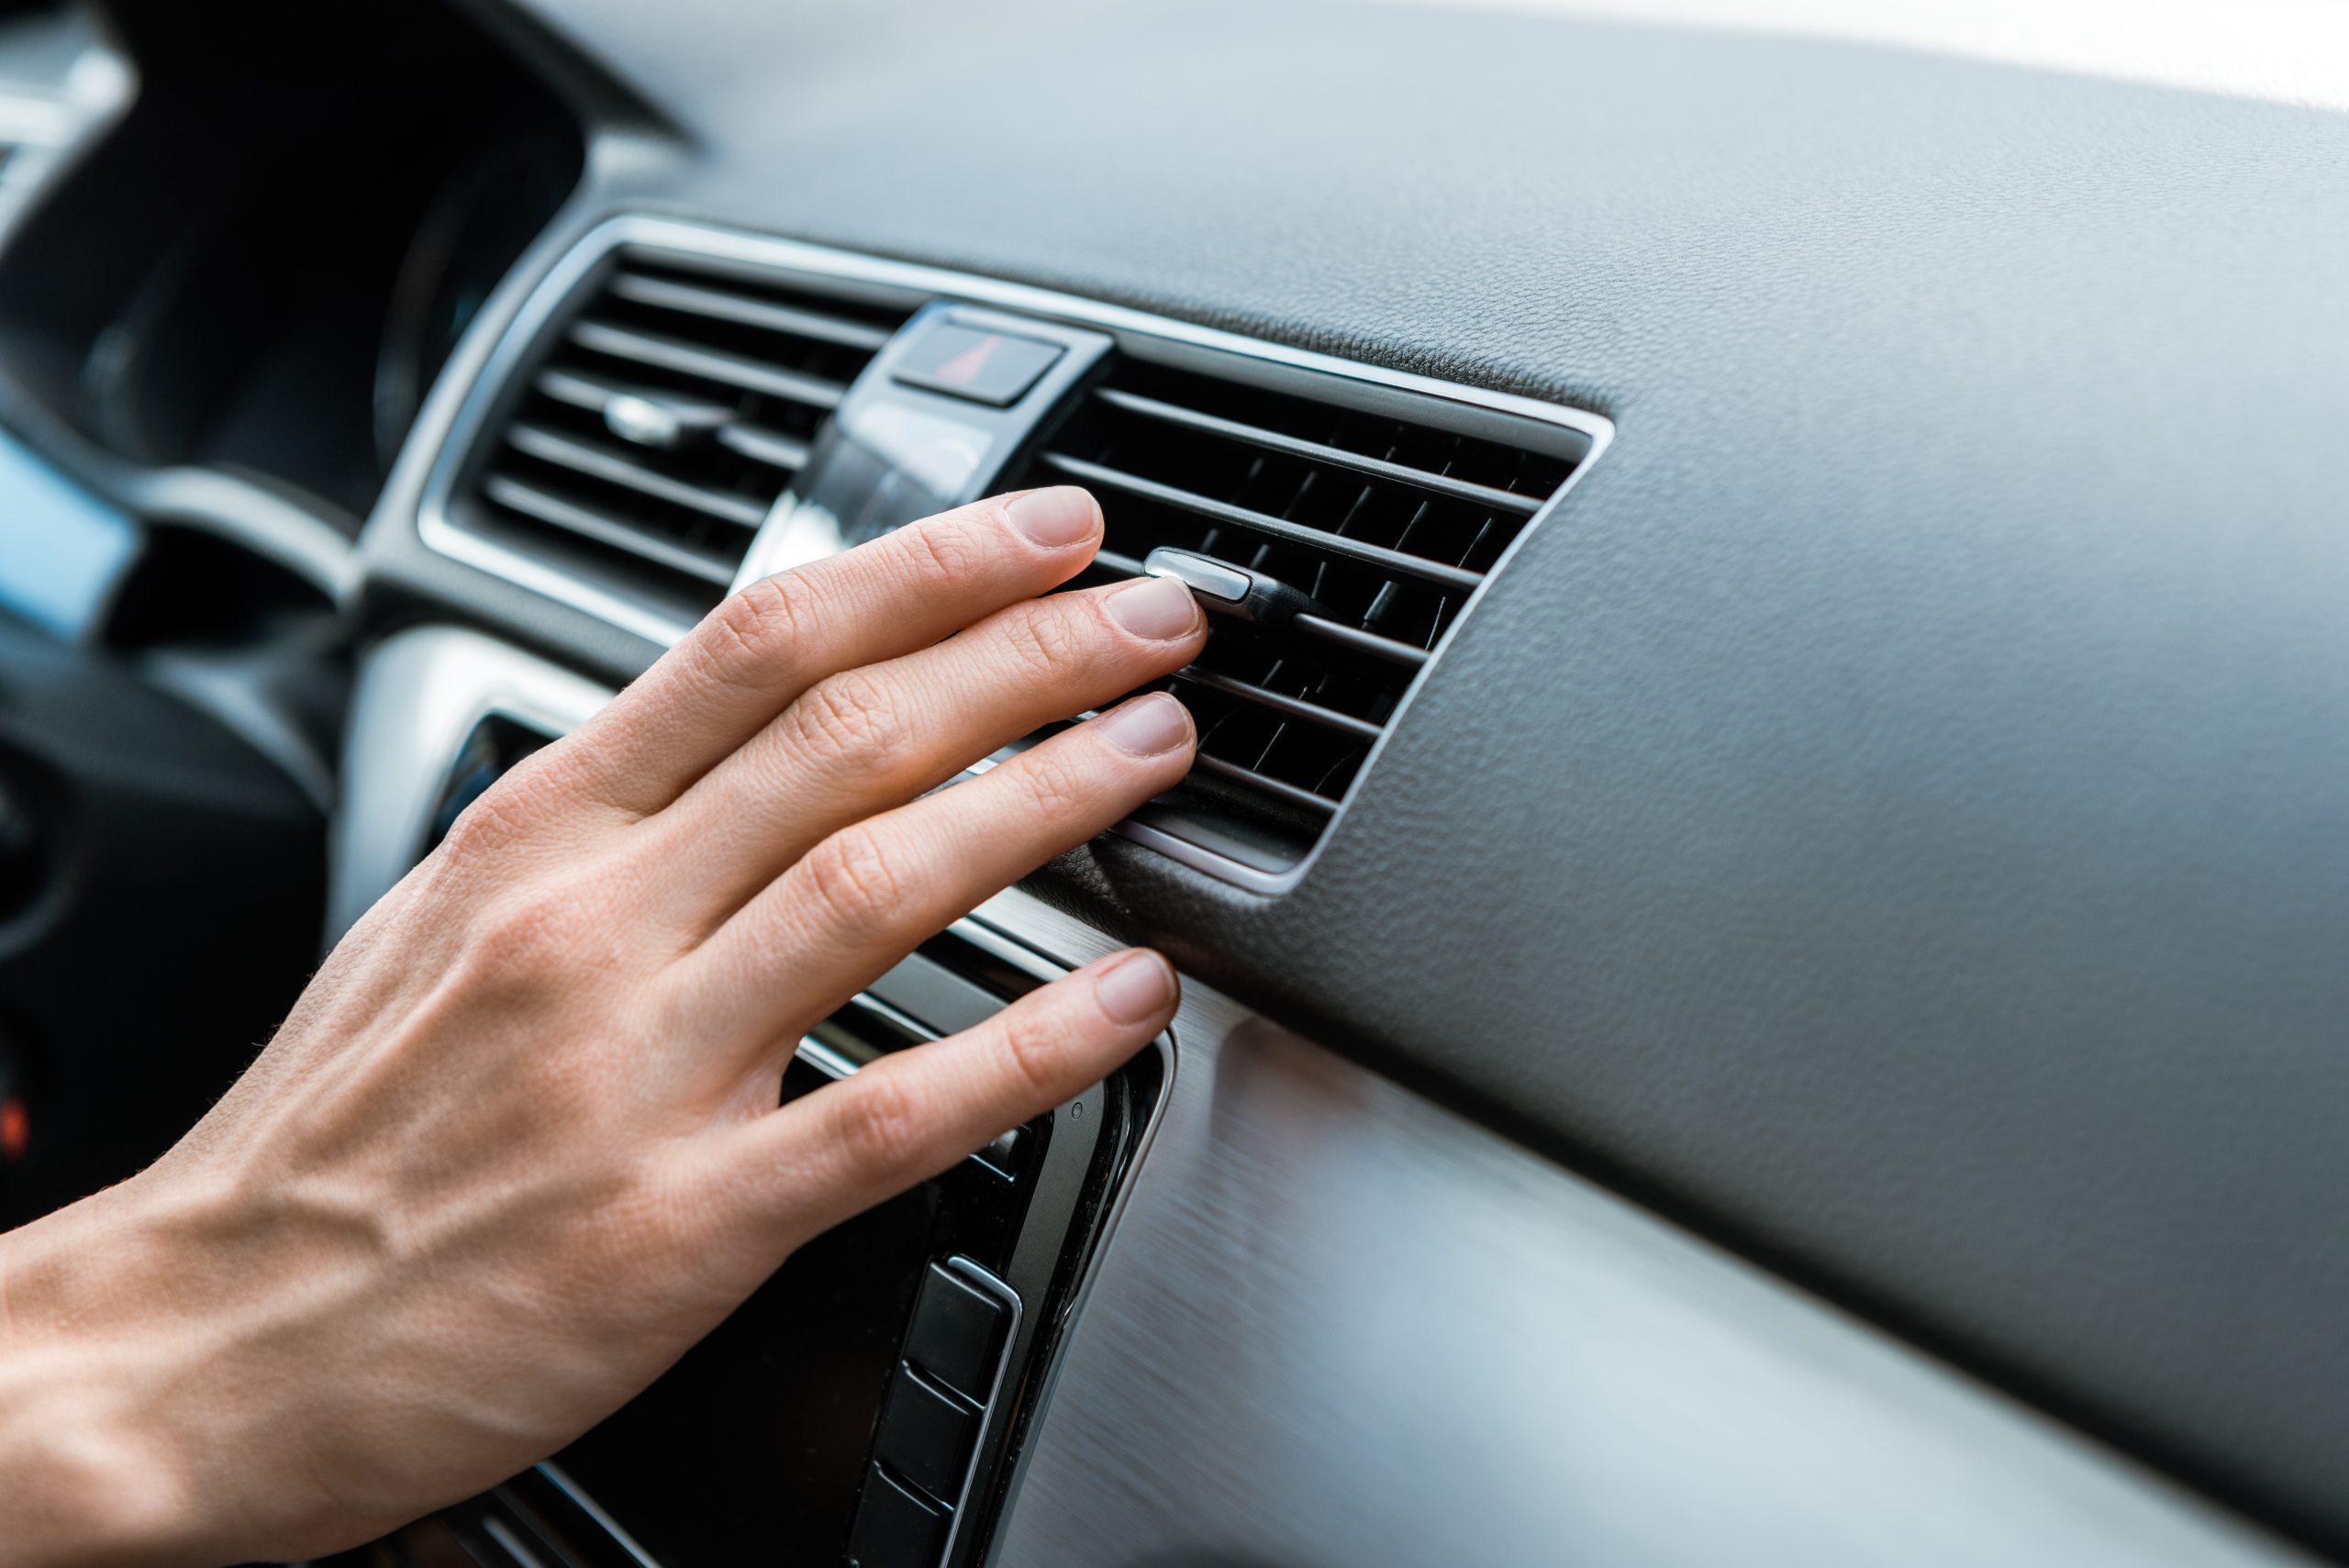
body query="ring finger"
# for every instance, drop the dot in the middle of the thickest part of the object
(867, 893)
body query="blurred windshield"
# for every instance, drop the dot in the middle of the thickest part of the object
(2292, 52)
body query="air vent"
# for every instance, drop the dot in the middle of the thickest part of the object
(663, 416)
(1367, 515)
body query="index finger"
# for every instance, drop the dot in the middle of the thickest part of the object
(767, 643)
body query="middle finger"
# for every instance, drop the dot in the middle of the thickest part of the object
(864, 741)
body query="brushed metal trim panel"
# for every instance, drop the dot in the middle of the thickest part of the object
(1331, 1322)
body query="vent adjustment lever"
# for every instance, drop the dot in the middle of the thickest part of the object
(1226, 589)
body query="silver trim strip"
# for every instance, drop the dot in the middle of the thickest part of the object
(436, 529)
(501, 1532)
(824, 1058)
(420, 695)
(571, 1494)
(980, 1280)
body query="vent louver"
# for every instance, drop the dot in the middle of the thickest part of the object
(1377, 511)
(663, 418)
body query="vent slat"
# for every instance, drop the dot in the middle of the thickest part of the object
(689, 358)
(595, 395)
(1293, 708)
(599, 463)
(763, 445)
(591, 393)
(1315, 452)
(1207, 507)
(719, 305)
(572, 519)
(1279, 789)
(754, 441)
(1360, 642)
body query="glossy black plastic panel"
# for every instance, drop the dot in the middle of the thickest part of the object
(956, 1335)
(901, 447)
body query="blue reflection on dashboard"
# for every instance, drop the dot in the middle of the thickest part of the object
(61, 549)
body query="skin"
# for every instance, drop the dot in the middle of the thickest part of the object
(518, 1146)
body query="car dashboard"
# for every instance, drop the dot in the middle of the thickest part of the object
(1760, 899)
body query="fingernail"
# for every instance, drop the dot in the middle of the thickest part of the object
(1160, 608)
(1054, 517)
(1149, 726)
(1138, 990)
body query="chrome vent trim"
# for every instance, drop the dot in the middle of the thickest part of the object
(820, 270)
(63, 80)
(1341, 535)
(653, 415)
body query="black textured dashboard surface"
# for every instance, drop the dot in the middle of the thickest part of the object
(1896, 815)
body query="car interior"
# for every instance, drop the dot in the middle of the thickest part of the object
(1763, 900)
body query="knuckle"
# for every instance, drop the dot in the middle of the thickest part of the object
(528, 933)
(1058, 781)
(942, 548)
(1047, 642)
(652, 1210)
(481, 831)
(1031, 1053)
(859, 881)
(753, 630)
(508, 811)
(849, 715)
(881, 1120)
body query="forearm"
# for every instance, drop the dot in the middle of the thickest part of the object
(86, 1477)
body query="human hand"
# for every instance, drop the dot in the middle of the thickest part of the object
(518, 1145)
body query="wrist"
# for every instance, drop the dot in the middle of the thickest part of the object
(93, 1473)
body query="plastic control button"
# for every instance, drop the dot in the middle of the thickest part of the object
(957, 1334)
(994, 368)
(897, 1527)
(927, 1434)
(1202, 573)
